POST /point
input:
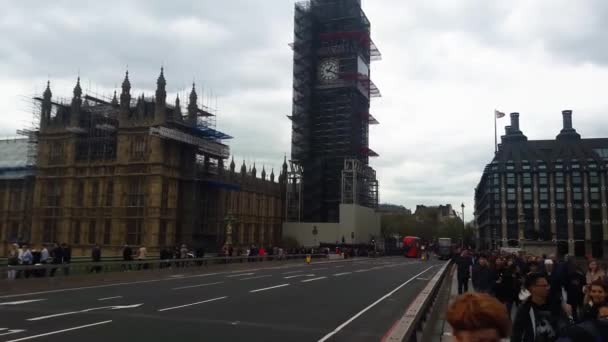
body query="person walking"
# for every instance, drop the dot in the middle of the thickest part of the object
(56, 257)
(505, 288)
(464, 264)
(96, 257)
(593, 273)
(142, 255)
(596, 295)
(483, 276)
(537, 319)
(66, 251)
(127, 257)
(12, 261)
(26, 259)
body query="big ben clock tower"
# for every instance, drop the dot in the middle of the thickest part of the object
(331, 100)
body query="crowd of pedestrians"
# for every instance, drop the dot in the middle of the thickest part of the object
(46, 254)
(529, 298)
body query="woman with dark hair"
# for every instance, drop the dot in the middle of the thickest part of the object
(478, 317)
(596, 295)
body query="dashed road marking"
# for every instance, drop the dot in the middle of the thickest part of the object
(191, 304)
(341, 274)
(239, 275)
(198, 285)
(108, 298)
(292, 272)
(258, 277)
(19, 302)
(299, 275)
(269, 288)
(313, 279)
(59, 331)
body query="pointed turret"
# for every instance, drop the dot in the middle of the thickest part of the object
(243, 168)
(160, 101)
(114, 102)
(272, 176)
(232, 165)
(125, 100)
(45, 115)
(263, 172)
(177, 111)
(76, 104)
(192, 106)
(254, 172)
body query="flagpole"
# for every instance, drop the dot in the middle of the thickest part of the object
(495, 134)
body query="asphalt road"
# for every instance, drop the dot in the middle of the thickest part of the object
(324, 301)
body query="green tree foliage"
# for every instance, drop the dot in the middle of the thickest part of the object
(426, 226)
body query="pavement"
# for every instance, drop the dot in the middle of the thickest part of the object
(326, 301)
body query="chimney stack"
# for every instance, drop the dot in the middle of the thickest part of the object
(568, 132)
(567, 117)
(514, 122)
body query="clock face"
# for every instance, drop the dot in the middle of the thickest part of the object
(328, 69)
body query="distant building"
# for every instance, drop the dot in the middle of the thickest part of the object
(548, 195)
(135, 171)
(388, 208)
(441, 213)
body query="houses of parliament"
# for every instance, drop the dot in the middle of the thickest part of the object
(132, 170)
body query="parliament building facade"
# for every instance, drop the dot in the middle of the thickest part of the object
(132, 170)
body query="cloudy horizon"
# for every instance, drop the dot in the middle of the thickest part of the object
(446, 66)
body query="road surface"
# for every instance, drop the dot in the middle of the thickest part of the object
(325, 301)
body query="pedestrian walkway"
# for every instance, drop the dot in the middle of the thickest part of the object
(442, 331)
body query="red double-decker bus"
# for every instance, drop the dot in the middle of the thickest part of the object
(411, 246)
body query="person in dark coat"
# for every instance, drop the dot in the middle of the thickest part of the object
(537, 319)
(483, 276)
(464, 263)
(57, 257)
(96, 257)
(127, 256)
(593, 330)
(505, 284)
(573, 285)
(66, 252)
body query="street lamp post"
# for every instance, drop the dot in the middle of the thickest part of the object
(314, 234)
(463, 226)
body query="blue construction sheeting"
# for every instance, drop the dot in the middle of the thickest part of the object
(212, 133)
(222, 185)
(16, 173)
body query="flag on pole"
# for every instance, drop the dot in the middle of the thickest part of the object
(499, 114)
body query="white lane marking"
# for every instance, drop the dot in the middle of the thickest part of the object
(292, 272)
(258, 277)
(318, 269)
(422, 278)
(341, 326)
(341, 274)
(339, 266)
(21, 302)
(115, 307)
(108, 298)
(299, 275)
(268, 288)
(364, 270)
(198, 285)
(11, 331)
(59, 331)
(313, 279)
(107, 285)
(239, 275)
(177, 276)
(191, 304)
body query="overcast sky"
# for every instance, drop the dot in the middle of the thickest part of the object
(446, 66)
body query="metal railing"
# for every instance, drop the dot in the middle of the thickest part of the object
(37, 271)
(413, 321)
